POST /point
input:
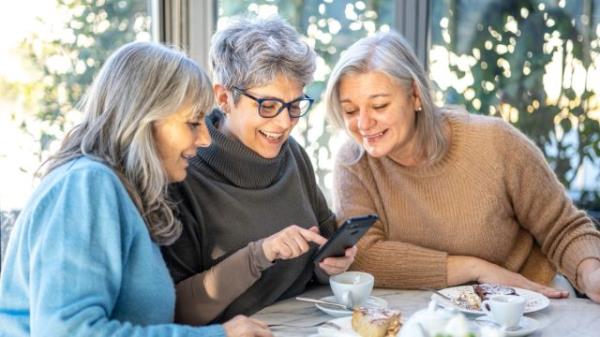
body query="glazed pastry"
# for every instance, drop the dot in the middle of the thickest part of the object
(468, 299)
(376, 322)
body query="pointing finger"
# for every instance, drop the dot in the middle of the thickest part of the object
(310, 235)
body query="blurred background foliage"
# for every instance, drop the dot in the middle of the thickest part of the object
(535, 64)
(65, 62)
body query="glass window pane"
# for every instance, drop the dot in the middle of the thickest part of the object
(535, 64)
(329, 26)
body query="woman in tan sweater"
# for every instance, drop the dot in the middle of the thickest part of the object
(461, 198)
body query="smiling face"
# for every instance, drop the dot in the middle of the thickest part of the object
(265, 136)
(379, 113)
(177, 138)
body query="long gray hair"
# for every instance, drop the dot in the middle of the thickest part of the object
(140, 83)
(391, 54)
(251, 52)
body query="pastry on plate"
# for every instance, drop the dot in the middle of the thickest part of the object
(468, 299)
(376, 322)
(485, 290)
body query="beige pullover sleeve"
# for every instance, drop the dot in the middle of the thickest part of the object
(541, 205)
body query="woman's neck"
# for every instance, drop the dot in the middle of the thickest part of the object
(408, 155)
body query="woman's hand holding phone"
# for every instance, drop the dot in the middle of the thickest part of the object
(337, 265)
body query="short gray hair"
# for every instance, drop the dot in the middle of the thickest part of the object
(139, 84)
(251, 52)
(391, 54)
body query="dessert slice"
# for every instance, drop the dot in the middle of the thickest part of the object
(376, 322)
(485, 290)
(467, 299)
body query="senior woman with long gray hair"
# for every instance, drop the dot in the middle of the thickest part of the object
(461, 198)
(84, 258)
(252, 212)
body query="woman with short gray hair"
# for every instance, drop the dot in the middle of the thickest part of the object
(461, 198)
(251, 209)
(84, 259)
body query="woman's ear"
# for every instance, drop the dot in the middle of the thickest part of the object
(416, 97)
(221, 97)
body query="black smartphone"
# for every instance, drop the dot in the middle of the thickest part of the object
(346, 236)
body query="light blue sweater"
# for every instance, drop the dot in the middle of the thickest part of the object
(80, 262)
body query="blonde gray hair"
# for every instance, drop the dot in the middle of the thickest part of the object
(140, 83)
(251, 52)
(390, 53)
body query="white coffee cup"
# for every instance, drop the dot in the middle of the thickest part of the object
(352, 288)
(505, 310)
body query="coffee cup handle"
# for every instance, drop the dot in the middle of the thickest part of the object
(485, 307)
(346, 299)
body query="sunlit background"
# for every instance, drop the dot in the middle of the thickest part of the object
(535, 63)
(17, 146)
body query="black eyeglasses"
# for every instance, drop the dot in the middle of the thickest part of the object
(271, 107)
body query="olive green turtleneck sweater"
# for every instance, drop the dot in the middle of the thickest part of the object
(492, 196)
(231, 199)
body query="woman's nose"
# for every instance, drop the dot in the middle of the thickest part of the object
(365, 121)
(284, 120)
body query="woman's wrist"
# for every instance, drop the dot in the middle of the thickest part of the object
(258, 258)
(583, 270)
(266, 251)
(462, 269)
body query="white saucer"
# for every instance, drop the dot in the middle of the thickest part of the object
(337, 312)
(526, 326)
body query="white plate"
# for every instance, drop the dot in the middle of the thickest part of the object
(526, 326)
(533, 301)
(345, 324)
(337, 312)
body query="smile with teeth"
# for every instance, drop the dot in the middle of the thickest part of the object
(374, 135)
(272, 135)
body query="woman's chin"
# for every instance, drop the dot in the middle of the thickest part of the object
(269, 154)
(269, 151)
(375, 151)
(176, 177)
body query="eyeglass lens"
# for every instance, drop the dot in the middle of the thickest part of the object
(297, 108)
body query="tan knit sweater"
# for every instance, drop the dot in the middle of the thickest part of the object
(492, 196)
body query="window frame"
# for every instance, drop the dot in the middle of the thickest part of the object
(411, 16)
(178, 25)
(187, 24)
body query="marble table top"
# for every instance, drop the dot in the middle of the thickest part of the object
(564, 317)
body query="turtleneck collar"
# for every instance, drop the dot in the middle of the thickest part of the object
(235, 162)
